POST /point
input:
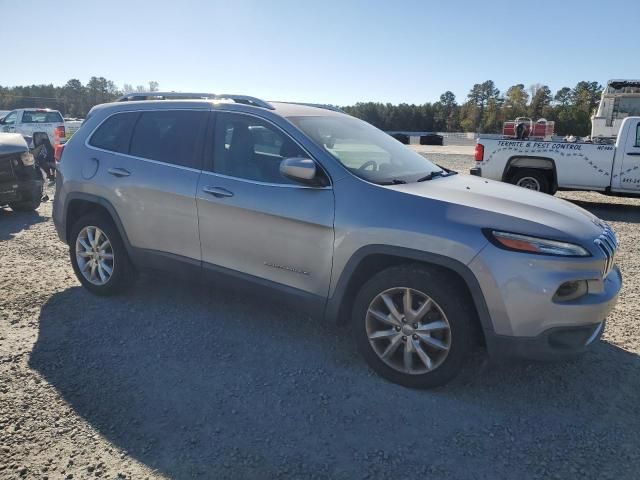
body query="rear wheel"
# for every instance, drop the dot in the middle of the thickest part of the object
(531, 179)
(411, 327)
(99, 257)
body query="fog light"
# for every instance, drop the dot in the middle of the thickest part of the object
(571, 291)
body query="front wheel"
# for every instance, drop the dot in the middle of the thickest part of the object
(411, 326)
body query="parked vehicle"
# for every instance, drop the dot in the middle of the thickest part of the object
(620, 99)
(44, 126)
(321, 209)
(29, 121)
(20, 180)
(548, 166)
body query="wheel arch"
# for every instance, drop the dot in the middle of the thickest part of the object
(79, 204)
(548, 165)
(372, 259)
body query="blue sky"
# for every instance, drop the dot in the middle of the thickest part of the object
(325, 51)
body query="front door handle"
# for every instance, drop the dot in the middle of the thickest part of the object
(217, 191)
(119, 172)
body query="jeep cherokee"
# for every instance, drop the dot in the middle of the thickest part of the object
(321, 209)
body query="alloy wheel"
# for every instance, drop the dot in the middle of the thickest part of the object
(408, 330)
(94, 255)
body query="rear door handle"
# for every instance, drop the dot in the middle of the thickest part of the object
(119, 172)
(636, 154)
(217, 191)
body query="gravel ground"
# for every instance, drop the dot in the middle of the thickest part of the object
(184, 381)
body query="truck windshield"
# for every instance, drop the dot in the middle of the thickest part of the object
(41, 117)
(366, 151)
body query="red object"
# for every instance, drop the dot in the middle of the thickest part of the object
(57, 152)
(58, 134)
(541, 128)
(479, 152)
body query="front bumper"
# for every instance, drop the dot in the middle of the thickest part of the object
(20, 191)
(525, 318)
(553, 344)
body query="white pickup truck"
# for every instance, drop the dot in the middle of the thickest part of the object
(43, 130)
(29, 122)
(548, 166)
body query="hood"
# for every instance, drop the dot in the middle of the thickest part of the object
(12, 143)
(504, 206)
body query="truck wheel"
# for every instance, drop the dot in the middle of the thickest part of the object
(99, 257)
(27, 206)
(531, 179)
(410, 326)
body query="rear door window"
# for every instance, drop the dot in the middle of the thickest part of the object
(41, 117)
(170, 136)
(114, 134)
(638, 135)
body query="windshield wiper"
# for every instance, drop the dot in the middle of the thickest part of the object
(393, 181)
(432, 175)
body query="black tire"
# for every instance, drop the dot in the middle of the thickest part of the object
(441, 288)
(526, 175)
(27, 206)
(123, 274)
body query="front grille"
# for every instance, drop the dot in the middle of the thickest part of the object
(608, 244)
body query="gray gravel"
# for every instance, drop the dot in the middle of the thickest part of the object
(183, 381)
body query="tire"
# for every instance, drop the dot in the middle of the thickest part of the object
(28, 206)
(532, 179)
(122, 272)
(453, 310)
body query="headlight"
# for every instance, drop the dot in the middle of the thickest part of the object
(525, 243)
(26, 159)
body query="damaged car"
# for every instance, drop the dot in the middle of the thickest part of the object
(21, 183)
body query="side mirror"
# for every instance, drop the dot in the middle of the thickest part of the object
(301, 170)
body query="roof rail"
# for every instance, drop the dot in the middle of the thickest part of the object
(244, 99)
(318, 105)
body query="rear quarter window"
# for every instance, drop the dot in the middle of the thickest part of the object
(638, 135)
(115, 133)
(41, 117)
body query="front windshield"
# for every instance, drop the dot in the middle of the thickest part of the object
(366, 151)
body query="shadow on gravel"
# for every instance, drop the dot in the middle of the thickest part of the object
(611, 212)
(13, 222)
(195, 382)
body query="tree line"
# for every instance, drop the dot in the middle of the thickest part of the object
(484, 110)
(73, 99)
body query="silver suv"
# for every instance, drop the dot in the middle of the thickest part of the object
(309, 204)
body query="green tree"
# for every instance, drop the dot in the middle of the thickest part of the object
(540, 101)
(515, 102)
